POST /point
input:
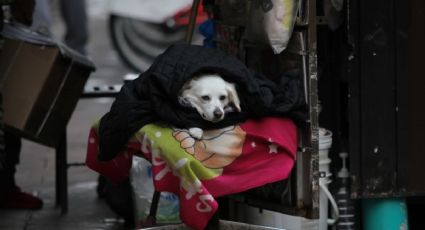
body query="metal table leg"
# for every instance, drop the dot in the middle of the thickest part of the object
(61, 175)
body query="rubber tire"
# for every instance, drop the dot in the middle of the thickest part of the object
(138, 42)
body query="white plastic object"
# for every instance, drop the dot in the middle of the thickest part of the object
(331, 199)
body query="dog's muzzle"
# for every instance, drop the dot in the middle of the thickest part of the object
(218, 114)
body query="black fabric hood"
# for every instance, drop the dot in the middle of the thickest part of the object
(153, 96)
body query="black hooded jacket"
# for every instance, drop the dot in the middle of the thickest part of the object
(153, 96)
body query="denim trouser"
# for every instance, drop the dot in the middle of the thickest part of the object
(74, 15)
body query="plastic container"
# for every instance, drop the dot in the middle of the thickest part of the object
(224, 225)
(325, 143)
(256, 216)
(385, 214)
(143, 189)
(346, 209)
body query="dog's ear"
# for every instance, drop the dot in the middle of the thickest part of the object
(183, 101)
(187, 99)
(183, 95)
(233, 96)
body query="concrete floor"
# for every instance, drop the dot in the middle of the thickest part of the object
(36, 172)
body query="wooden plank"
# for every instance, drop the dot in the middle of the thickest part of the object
(410, 35)
(353, 72)
(313, 103)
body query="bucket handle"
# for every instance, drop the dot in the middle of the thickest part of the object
(333, 203)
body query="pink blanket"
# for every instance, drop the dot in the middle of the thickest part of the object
(223, 162)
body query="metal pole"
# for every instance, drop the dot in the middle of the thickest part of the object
(313, 103)
(61, 174)
(192, 21)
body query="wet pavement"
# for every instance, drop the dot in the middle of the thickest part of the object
(36, 172)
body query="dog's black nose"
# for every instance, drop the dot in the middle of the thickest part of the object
(218, 113)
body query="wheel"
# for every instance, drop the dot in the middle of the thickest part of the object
(139, 42)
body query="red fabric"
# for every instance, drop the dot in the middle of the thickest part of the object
(116, 170)
(267, 155)
(251, 164)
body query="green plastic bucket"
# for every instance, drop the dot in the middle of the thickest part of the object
(385, 214)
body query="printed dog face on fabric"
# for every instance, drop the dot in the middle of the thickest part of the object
(217, 148)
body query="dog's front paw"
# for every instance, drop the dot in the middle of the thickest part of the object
(196, 133)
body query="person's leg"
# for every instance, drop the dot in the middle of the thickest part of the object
(75, 17)
(2, 144)
(3, 156)
(11, 195)
(12, 150)
(42, 19)
(8, 158)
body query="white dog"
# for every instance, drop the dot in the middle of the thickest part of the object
(212, 97)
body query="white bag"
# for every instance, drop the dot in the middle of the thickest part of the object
(271, 22)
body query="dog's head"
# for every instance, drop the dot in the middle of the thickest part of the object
(211, 96)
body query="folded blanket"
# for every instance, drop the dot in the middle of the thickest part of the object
(226, 161)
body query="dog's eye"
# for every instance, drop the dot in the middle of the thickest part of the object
(205, 98)
(222, 98)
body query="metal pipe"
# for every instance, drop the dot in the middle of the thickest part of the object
(192, 21)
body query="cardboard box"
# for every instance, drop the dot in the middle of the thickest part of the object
(41, 86)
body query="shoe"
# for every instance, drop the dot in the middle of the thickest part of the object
(11, 197)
